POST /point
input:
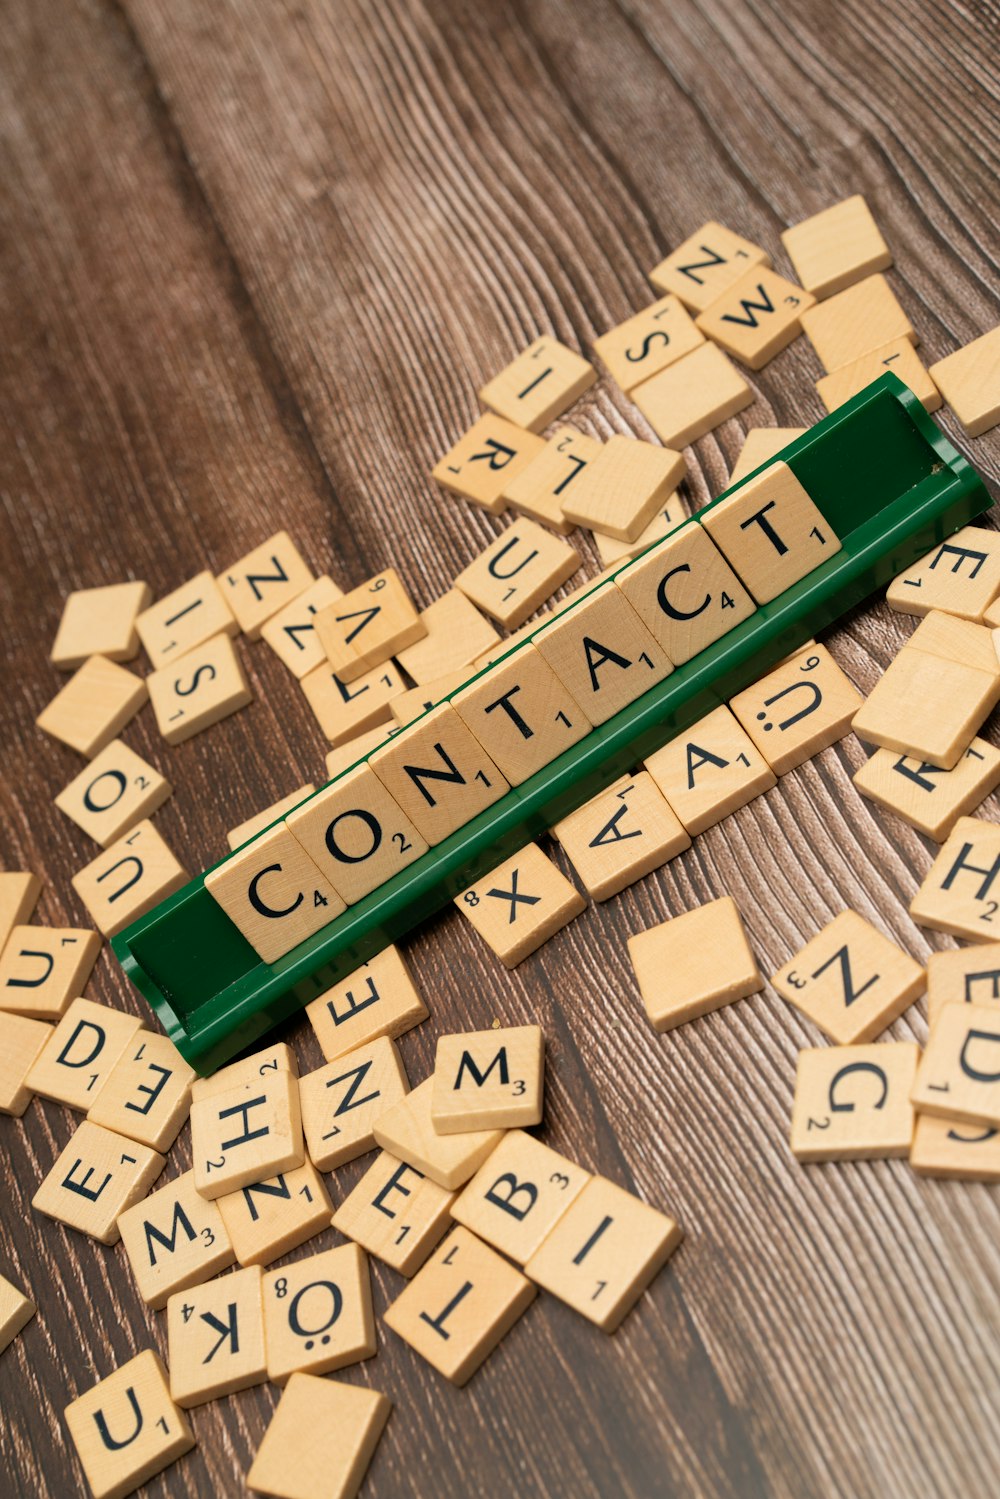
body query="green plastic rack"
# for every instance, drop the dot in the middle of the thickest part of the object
(889, 483)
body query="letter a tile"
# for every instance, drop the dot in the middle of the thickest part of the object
(621, 835)
(850, 980)
(710, 770)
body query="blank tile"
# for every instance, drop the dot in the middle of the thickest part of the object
(456, 633)
(377, 999)
(706, 264)
(854, 321)
(928, 798)
(756, 317)
(128, 879)
(520, 904)
(355, 834)
(850, 980)
(126, 1428)
(94, 1179)
(803, 706)
(485, 460)
(517, 572)
(710, 770)
(396, 1213)
(648, 342)
(21, 1040)
(969, 380)
(44, 968)
(274, 893)
(621, 835)
(320, 1440)
(215, 1338)
(184, 619)
(263, 581)
(16, 1311)
(198, 690)
(99, 622)
(538, 490)
(836, 247)
(174, 1238)
(19, 892)
(342, 1100)
(771, 532)
(691, 397)
(898, 357)
(407, 1132)
(760, 445)
(114, 792)
(522, 714)
(291, 633)
(950, 1149)
(438, 773)
(624, 487)
(686, 593)
(363, 628)
(694, 963)
(611, 551)
(94, 706)
(518, 1195)
(539, 384)
(852, 1103)
(247, 1134)
(318, 1313)
(959, 893)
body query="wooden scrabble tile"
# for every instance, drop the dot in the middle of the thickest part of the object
(126, 1429)
(342, 1100)
(274, 893)
(174, 1238)
(95, 705)
(969, 380)
(346, 709)
(19, 892)
(539, 384)
(957, 891)
(485, 460)
(438, 773)
(953, 639)
(960, 576)
(80, 1051)
(603, 653)
(710, 770)
(925, 796)
(355, 834)
(518, 1195)
(852, 1103)
(353, 751)
(395, 1212)
(248, 1071)
(965, 975)
(760, 445)
(95, 1178)
(603, 1252)
(456, 633)
(363, 628)
(459, 1305)
(689, 398)
(898, 356)
(198, 690)
(291, 633)
(247, 1134)
(517, 572)
(215, 1338)
(959, 1073)
(21, 1041)
(537, 491)
(800, 708)
(756, 317)
(850, 980)
(705, 265)
(320, 1441)
(488, 1080)
(377, 999)
(771, 532)
(407, 1132)
(261, 821)
(264, 581)
(318, 1313)
(128, 879)
(622, 834)
(16, 1311)
(961, 1152)
(693, 964)
(521, 714)
(99, 622)
(648, 342)
(625, 486)
(147, 1093)
(520, 904)
(686, 593)
(114, 792)
(853, 322)
(185, 619)
(268, 1219)
(420, 700)
(517, 638)
(44, 968)
(667, 518)
(836, 247)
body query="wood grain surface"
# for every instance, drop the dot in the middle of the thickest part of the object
(257, 258)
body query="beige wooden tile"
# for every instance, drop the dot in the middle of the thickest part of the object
(94, 706)
(99, 622)
(603, 653)
(198, 690)
(850, 980)
(248, 1071)
(756, 317)
(959, 893)
(320, 1440)
(264, 581)
(925, 796)
(345, 710)
(710, 770)
(126, 1429)
(686, 593)
(377, 999)
(521, 714)
(760, 445)
(94, 1179)
(114, 792)
(538, 490)
(395, 1212)
(689, 398)
(363, 628)
(353, 751)
(852, 1103)
(619, 836)
(21, 1041)
(954, 639)
(274, 893)
(456, 633)
(520, 904)
(80, 1052)
(268, 1219)
(44, 968)
(185, 619)
(693, 964)
(291, 633)
(800, 708)
(518, 1195)
(147, 1093)
(603, 1252)
(318, 1313)
(771, 532)
(407, 1132)
(16, 1311)
(959, 1073)
(836, 247)
(898, 357)
(624, 487)
(962, 1152)
(19, 892)
(342, 1100)
(706, 264)
(488, 1080)
(261, 821)
(853, 322)
(215, 1338)
(518, 638)
(128, 879)
(485, 460)
(247, 1134)
(539, 384)
(648, 342)
(174, 1238)
(460, 1305)
(969, 380)
(355, 834)
(419, 700)
(517, 572)
(667, 518)
(438, 773)
(965, 975)
(960, 576)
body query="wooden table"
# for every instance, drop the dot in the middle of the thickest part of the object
(258, 258)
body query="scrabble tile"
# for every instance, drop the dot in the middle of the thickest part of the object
(603, 653)
(771, 532)
(853, 322)
(126, 1429)
(174, 1239)
(19, 892)
(962, 1152)
(603, 1252)
(363, 628)
(261, 821)
(686, 593)
(520, 904)
(438, 773)
(345, 710)
(836, 247)
(198, 690)
(710, 770)
(693, 964)
(274, 893)
(318, 1313)
(291, 633)
(957, 891)
(485, 460)
(969, 380)
(80, 1052)
(16, 1311)
(377, 999)
(850, 980)
(619, 836)
(396, 1213)
(521, 714)
(959, 1073)
(852, 1103)
(99, 622)
(488, 1080)
(353, 751)
(802, 707)
(342, 1100)
(264, 581)
(147, 1093)
(128, 879)
(539, 384)
(185, 619)
(407, 1132)
(966, 975)
(215, 1338)
(268, 1219)
(625, 486)
(953, 639)
(925, 796)
(456, 633)
(44, 968)
(248, 1071)
(95, 1178)
(21, 1041)
(94, 706)
(648, 342)
(518, 638)
(611, 551)
(689, 398)
(460, 1305)
(959, 576)
(706, 265)
(114, 792)
(756, 317)
(537, 491)
(320, 1440)
(898, 357)
(419, 700)
(518, 1195)
(355, 834)
(517, 572)
(247, 1134)
(760, 445)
